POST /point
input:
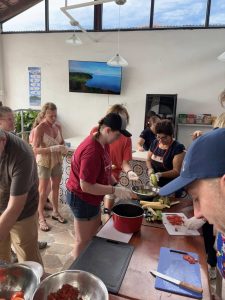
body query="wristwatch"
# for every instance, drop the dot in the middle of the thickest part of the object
(106, 211)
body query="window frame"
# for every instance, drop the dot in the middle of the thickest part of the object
(97, 22)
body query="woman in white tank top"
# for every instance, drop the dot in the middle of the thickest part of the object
(48, 145)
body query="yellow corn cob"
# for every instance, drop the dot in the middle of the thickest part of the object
(155, 205)
(153, 180)
(152, 211)
(142, 202)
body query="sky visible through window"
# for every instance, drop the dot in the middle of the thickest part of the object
(180, 13)
(217, 16)
(33, 19)
(58, 21)
(134, 14)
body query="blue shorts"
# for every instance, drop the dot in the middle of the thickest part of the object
(80, 208)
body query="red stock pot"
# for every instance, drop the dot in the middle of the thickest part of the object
(127, 217)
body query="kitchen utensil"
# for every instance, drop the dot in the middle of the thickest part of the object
(106, 259)
(177, 229)
(19, 277)
(182, 253)
(146, 193)
(182, 284)
(128, 217)
(90, 286)
(108, 231)
(174, 265)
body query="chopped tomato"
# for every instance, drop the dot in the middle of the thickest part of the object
(175, 220)
(18, 296)
(67, 292)
(190, 259)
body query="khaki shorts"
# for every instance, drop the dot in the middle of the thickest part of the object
(46, 173)
(24, 237)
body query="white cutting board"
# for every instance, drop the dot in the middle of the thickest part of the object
(177, 229)
(109, 232)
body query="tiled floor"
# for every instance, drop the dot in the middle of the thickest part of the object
(56, 256)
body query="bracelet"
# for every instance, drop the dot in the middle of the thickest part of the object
(115, 184)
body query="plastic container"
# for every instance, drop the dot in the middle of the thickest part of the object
(199, 119)
(207, 119)
(191, 119)
(182, 118)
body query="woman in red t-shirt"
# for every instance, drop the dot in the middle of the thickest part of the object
(90, 179)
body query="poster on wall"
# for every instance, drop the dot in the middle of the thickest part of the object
(34, 86)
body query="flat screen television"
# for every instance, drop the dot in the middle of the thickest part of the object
(94, 77)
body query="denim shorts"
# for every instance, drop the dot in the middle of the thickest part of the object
(80, 208)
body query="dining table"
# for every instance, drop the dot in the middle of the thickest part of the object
(138, 283)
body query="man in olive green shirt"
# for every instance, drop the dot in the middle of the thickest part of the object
(18, 199)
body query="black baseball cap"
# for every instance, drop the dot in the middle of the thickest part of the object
(117, 123)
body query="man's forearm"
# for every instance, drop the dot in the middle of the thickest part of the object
(9, 217)
(7, 220)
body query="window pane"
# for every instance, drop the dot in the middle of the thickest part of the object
(32, 19)
(217, 14)
(59, 21)
(133, 14)
(179, 13)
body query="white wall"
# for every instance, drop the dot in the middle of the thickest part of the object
(171, 61)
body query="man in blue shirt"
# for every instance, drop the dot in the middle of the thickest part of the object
(203, 177)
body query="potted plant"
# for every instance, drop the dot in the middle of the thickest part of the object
(24, 119)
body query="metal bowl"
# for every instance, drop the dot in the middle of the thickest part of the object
(146, 193)
(90, 286)
(18, 277)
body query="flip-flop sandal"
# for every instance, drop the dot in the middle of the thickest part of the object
(59, 218)
(43, 225)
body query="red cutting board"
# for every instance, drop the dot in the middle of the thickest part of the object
(173, 264)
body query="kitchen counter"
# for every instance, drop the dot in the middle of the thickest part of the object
(140, 155)
(138, 283)
(74, 142)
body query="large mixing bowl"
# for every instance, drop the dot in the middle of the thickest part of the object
(90, 286)
(146, 193)
(19, 277)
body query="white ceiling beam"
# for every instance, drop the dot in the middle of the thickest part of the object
(86, 4)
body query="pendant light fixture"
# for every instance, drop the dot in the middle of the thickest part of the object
(74, 40)
(117, 60)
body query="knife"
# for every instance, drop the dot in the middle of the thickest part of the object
(182, 252)
(182, 284)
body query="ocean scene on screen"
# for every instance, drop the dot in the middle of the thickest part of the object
(94, 77)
